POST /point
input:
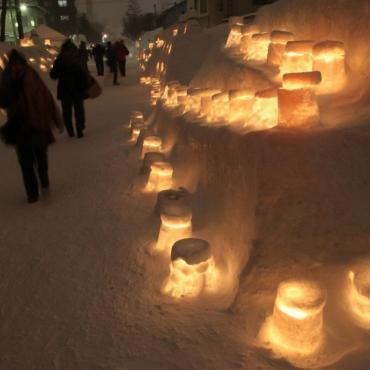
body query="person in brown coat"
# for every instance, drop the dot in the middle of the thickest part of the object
(31, 113)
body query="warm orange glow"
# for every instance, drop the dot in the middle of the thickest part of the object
(136, 128)
(220, 108)
(296, 326)
(31, 60)
(2, 64)
(47, 42)
(329, 59)
(279, 39)
(247, 32)
(234, 37)
(160, 177)
(264, 109)
(297, 99)
(26, 42)
(43, 67)
(241, 104)
(358, 295)
(151, 144)
(175, 31)
(258, 48)
(297, 57)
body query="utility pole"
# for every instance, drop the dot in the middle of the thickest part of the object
(18, 16)
(4, 8)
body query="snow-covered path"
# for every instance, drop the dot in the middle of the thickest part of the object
(75, 285)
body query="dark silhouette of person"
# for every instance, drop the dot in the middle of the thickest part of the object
(84, 54)
(31, 113)
(112, 61)
(98, 54)
(73, 81)
(122, 53)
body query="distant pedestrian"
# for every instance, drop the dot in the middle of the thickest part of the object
(72, 86)
(98, 54)
(112, 61)
(122, 53)
(84, 54)
(31, 113)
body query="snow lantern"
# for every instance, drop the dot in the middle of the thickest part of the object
(265, 109)
(151, 144)
(182, 93)
(258, 48)
(135, 116)
(32, 60)
(155, 94)
(359, 295)
(234, 37)
(192, 269)
(160, 177)
(175, 225)
(47, 42)
(206, 101)
(279, 39)
(150, 158)
(26, 42)
(193, 102)
(297, 99)
(297, 321)
(170, 198)
(241, 103)
(43, 67)
(151, 45)
(329, 59)
(136, 128)
(297, 57)
(220, 107)
(175, 31)
(247, 32)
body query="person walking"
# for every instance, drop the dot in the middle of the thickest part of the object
(112, 61)
(73, 81)
(122, 53)
(31, 114)
(98, 54)
(84, 54)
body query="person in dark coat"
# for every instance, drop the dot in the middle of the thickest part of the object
(122, 53)
(73, 82)
(31, 113)
(112, 61)
(98, 54)
(84, 54)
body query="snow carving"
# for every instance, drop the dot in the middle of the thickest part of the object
(192, 269)
(297, 57)
(265, 109)
(358, 295)
(296, 325)
(160, 177)
(279, 39)
(151, 144)
(171, 198)
(136, 128)
(241, 104)
(247, 32)
(135, 116)
(150, 158)
(175, 225)
(220, 107)
(206, 101)
(258, 48)
(297, 99)
(329, 59)
(234, 37)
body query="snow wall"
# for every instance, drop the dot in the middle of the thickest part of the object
(269, 193)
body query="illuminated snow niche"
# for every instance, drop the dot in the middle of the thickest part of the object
(265, 109)
(279, 39)
(296, 325)
(234, 37)
(160, 177)
(151, 144)
(329, 59)
(136, 128)
(259, 46)
(297, 57)
(220, 108)
(135, 116)
(175, 225)
(247, 32)
(297, 99)
(192, 269)
(241, 104)
(359, 295)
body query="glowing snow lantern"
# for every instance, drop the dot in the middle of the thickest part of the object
(151, 45)
(329, 59)
(26, 42)
(171, 198)
(151, 144)
(43, 67)
(359, 295)
(258, 48)
(136, 128)
(194, 100)
(241, 104)
(297, 99)
(160, 177)
(297, 322)
(279, 39)
(206, 101)
(136, 116)
(47, 42)
(31, 60)
(175, 31)
(175, 225)
(150, 158)
(220, 107)
(182, 93)
(192, 269)
(247, 32)
(2, 64)
(234, 37)
(297, 57)
(265, 109)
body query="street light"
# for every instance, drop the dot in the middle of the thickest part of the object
(23, 7)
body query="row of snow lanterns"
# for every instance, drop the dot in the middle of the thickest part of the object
(279, 48)
(192, 268)
(293, 104)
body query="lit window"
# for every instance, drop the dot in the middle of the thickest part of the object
(62, 3)
(64, 17)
